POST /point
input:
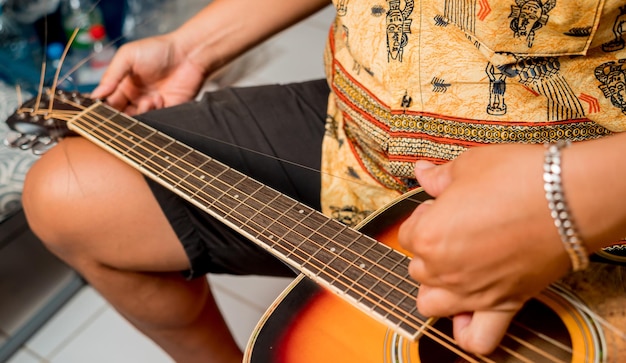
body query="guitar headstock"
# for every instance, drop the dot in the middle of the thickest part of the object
(41, 122)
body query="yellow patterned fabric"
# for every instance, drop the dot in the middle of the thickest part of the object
(429, 79)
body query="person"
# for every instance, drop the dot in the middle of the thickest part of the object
(454, 96)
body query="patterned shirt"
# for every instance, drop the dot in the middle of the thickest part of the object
(429, 79)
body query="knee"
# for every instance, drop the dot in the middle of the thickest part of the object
(62, 193)
(50, 187)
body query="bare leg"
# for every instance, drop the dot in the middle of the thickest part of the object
(98, 214)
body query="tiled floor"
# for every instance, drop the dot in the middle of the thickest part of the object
(87, 329)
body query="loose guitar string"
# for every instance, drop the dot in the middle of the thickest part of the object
(244, 176)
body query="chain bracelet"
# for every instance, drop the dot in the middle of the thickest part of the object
(559, 210)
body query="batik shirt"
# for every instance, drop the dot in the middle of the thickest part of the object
(429, 79)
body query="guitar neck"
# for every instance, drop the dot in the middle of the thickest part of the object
(366, 273)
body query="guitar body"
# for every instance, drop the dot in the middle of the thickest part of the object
(581, 319)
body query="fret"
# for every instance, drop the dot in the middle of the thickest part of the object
(266, 195)
(278, 230)
(139, 130)
(311, 244)
(264, 217)
(229, 178)
(274, 230)
(305, 252)
(209, 191)
(195, 180)
(248, 186)
(97, 116)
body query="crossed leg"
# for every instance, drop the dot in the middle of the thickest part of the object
(99, 216)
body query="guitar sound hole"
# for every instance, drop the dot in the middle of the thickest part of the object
(540, 328)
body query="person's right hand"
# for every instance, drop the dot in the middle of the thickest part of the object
(148, 74)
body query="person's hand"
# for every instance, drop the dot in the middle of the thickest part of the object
(148, 74)
(486, 243)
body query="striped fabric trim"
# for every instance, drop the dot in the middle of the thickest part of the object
(388, 142)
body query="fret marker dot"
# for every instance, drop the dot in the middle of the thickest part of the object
(236, 196)
(301, 211)
(201, 176)
(362, 265)
(332, 249)
(270, 237)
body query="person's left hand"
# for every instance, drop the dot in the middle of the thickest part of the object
(486, 243)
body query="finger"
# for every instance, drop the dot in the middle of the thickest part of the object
(119, 68)
(482, 332)
(131, 110)
(408, 228)
(436, 301)
(145, 104)
(102, 91)
(119, 101)
(434, 179)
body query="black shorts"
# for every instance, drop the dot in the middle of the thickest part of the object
(272, 134)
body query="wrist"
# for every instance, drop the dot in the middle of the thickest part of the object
(593, 179)
(559, 208)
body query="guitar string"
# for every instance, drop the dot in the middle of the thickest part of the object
(244, 175)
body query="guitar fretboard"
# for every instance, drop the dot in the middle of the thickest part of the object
(363, 271)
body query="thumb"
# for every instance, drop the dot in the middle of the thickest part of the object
(434, 179)
(482, 331)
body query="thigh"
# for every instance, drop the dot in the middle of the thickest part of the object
(271, 133)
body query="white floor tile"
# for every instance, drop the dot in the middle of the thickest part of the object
(79, 312)
(109, 338)
(257, 291)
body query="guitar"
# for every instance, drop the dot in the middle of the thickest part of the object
(353, 300)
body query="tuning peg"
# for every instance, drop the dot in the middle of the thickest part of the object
(11, 140)
(21, 141)
(42, 145)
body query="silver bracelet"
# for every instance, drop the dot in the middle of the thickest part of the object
(558, 206)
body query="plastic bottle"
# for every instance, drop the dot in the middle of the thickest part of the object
(81, 15)
(89, 51)
(101, 56)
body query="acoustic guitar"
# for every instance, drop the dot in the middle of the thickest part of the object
(353, 300)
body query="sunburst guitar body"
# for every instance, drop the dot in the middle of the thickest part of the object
(579, 319)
